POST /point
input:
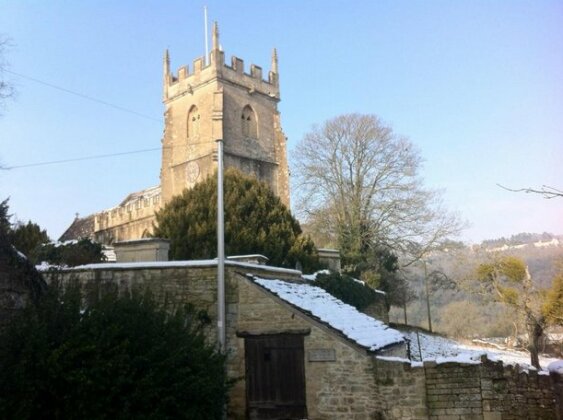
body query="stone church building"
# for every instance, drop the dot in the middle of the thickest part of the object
(212, 100)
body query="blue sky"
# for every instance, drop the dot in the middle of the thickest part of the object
(476, 85)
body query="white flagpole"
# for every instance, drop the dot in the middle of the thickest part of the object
(221, 319)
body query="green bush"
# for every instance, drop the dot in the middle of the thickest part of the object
(347, 289)
(69, 253)
(26, 237)
(119, 358)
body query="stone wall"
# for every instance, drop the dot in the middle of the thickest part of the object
(515, 394)
(460, 391)
(453, 390)
(340, 388)
(352, 383)
(147, 249)
(402, 389)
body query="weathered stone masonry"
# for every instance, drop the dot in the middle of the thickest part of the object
(451, 391)
(356, 384)
(211, 100)
(335, 390)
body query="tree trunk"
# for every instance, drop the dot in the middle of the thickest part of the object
(535, 331)
(427, 296)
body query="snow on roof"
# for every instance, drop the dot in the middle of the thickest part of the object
(358, 327)
(247, 256)
(141, 240)
(171, 264)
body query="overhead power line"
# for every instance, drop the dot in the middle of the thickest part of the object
(54, 162)
(83, 96)
(92, 157)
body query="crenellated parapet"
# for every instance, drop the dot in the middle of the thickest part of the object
(136, 207)
(185, 80)
(210, 99)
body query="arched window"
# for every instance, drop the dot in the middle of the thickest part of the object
(249, 124)
(193, 122)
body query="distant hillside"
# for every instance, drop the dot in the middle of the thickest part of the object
(541, 252)
(522, 239)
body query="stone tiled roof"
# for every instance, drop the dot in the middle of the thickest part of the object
(367, 332)
(81, 227)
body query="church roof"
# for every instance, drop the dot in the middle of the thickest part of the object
(81, 227)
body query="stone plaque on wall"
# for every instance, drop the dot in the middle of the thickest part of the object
(322, 355)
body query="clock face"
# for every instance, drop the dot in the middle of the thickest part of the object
(192, 171)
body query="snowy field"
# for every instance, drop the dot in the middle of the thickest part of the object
(443, 349)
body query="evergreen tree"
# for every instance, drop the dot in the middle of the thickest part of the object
(5, 225)
(347, 289)
(256, 222)
(26, 237)
(117, 358)
(72, 253)
(20, 283)
(379, 268)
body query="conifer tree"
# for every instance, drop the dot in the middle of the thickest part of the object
(117, 357)
(26, 237)
(256, 222)
(5, 226)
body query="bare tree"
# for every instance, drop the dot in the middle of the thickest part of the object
(358, 182)
(545, 190)
(6, 88)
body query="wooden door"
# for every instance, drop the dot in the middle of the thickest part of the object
(275, 377)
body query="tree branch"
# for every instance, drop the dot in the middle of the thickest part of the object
(547, 191)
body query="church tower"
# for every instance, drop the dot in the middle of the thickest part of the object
(212, 101)
(219, 101)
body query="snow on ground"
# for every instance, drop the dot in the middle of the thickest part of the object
(444, 349)
(363, 329)
(556, 366)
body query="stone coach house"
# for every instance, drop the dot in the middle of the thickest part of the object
(295, 351)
